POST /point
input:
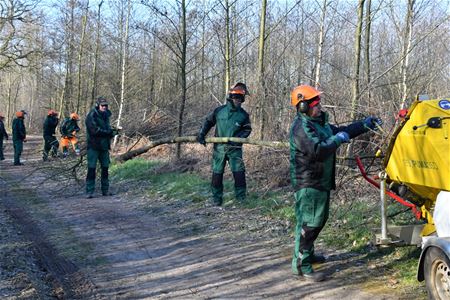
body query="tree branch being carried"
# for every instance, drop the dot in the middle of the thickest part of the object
(193, 139)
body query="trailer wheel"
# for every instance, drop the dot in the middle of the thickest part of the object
(437, 274)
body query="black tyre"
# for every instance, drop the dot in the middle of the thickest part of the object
(437, 274)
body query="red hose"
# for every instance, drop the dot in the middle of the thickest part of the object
(417, 213)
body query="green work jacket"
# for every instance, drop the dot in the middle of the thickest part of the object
(313, 146)
(230, 121)
(18, 129)
(98, 129)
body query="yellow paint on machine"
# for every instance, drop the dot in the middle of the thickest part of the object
(419, 156)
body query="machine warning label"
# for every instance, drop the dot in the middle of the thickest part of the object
(421, 164)
(444, 104)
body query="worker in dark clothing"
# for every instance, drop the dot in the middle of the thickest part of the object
(99, 134)
(50, 142)
(69, 129)
(19, 136)
(3, 135)
(313, 145)
(231, 120)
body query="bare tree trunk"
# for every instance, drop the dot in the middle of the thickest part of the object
(407, 39)
(320, 44)
(123, 69)
(356, 67)
(367, 44)
(80, 56)
(10, 109)
(261, 80)
(68, 85)
(357, 60)
(31, 107)
(227, 47)
(183, 74)
(97, 49)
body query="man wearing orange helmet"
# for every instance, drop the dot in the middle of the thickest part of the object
(69, 129)
(3, 135)
(231, 120)
(49, 128)
(19, 136)
(313, 145)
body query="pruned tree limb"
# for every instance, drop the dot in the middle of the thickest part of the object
(193, 139)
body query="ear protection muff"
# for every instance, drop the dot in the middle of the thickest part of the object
(303, 107)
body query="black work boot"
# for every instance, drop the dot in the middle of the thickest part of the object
(318, 259)
(314, 276)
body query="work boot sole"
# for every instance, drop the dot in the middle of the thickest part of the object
(315, 277)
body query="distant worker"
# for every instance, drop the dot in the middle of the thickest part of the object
(19, 136)
(3, 135)
(69, 129)
(51, 144)
(313, 145)
(99, 134)
(231, 120)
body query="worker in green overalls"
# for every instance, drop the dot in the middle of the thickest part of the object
(313, 145)
(230, 120)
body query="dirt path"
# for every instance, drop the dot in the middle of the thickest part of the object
(130, 247)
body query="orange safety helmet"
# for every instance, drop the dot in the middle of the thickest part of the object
(51, 112)
(303, 93)
(20, 114)
(238, 87)
(74, 116)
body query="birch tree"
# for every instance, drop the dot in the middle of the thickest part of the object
(320, 44)
(124, 46)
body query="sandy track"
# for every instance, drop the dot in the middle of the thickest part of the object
(130, 247)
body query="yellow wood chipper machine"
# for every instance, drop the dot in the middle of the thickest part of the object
(416, 174)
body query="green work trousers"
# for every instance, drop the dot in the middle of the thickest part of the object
(92, 157)
(232, 154)
(50, 143)
(311, 210)
(18, 148)
(2, 157)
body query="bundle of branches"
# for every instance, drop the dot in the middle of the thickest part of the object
(157, 125)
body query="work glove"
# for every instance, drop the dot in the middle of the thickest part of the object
(201, 140)
(343, 137)
(116, 130)
(372, 122)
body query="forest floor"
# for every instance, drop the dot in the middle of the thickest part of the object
(55, 243)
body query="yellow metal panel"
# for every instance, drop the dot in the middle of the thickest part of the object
(420, 158)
